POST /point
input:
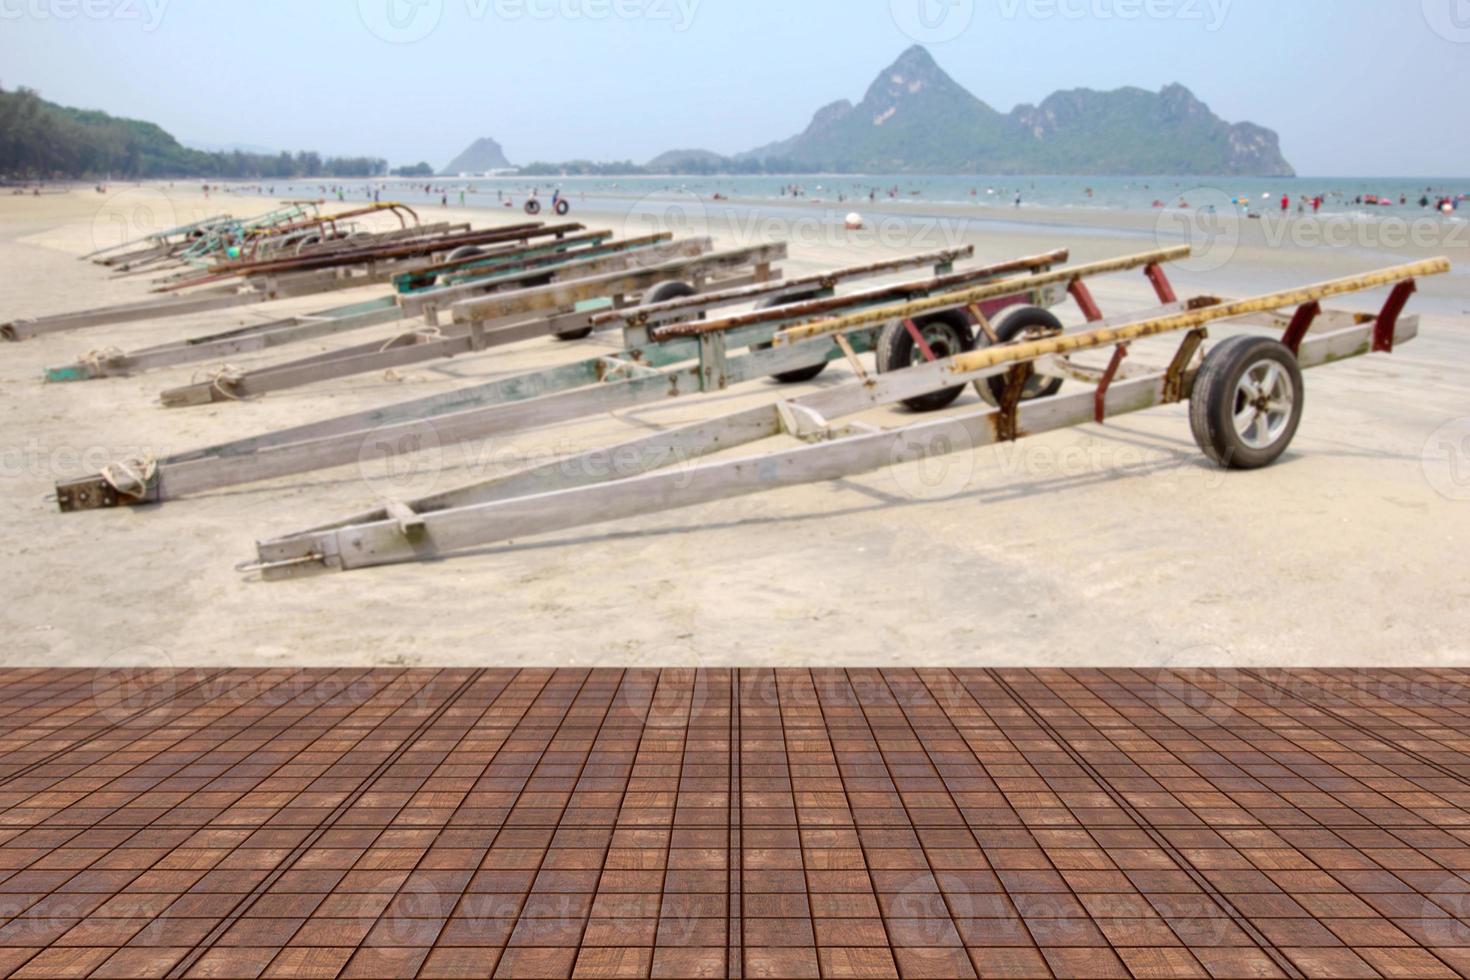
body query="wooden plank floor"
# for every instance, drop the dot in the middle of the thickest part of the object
(792, 823)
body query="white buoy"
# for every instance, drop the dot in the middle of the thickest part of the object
(854, 222)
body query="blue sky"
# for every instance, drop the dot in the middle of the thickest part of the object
(1353, 87)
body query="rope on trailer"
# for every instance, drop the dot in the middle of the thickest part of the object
(131, 477)
(96, 360)
(222, 380)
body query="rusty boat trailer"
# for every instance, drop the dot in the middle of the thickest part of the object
(1245, 396)
(266, 282)
(561, 308)
(657, 364)
(497, 267)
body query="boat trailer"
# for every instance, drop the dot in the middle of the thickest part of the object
(503, 268)
(1245, 395)
(649, 371)
(560, 309)
(267, 282)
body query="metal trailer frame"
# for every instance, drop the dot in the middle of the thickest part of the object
(307, 242)
(512, 267)
(647, 373)
(652, 474)
(191, 234)
(341, 248)
(218, 238)
(157, 240)
(560, 309)
(265, 288)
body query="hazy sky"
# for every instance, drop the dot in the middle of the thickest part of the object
(1371, 87)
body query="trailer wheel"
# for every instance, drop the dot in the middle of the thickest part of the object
(801, 375)
(1016, 326)
(464, 252)
(665, 291)
(947, 335)
(533, 206)
(673, 289)
(563, 208)
(1247, 402)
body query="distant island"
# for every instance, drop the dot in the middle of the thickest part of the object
(915, 118)
(482, 156)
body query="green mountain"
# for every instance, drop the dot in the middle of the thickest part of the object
(45, 140)
(481, 156)
(915, 118)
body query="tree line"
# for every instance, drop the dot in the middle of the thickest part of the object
(40, 140)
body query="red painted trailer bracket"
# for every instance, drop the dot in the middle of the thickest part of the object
(1301, 322)
(1388, 317)
(1100, 402)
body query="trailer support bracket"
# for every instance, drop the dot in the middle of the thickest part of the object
(1388, 317)
(1100, 398)
(1183, 358)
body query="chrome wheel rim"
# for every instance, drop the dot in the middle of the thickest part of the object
(1264, 399)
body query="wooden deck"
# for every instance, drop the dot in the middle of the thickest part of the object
(792, 823)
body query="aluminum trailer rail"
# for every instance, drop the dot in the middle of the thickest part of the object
(266, 288)
(511, 268)
(652, 372)
(1246, 400)
(560, 309)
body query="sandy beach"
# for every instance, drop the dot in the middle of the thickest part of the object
(1116, 545)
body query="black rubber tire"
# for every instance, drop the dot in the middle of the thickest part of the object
(1012, 328)
(465, 252)
(673, 289)
(805, 374)
(533, 206)
(1214, 403)
(563, 208)
(897, 351)
(665, 291)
